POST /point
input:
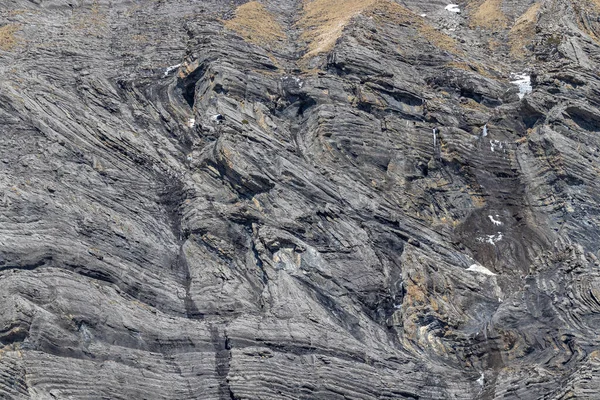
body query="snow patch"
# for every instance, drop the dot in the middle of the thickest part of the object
(480, 269)
(85, 332)
(191, 122)
(495, 221)
(481, 380)
(295, 79)
(523, 82)
(491, 239)
(453, 8)
(423, 15)
(496, 144)
(171, 69)
(485, 132)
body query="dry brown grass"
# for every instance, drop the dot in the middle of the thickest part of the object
(489, 15)
(387, 11)
(477, 200)
(523, 31)
(324, 20)
(473, 105)
(528, 18)
(438, 39)
(495, 45)
(8, 40)
(255, 24)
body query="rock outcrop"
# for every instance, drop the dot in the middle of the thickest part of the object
(302, 199)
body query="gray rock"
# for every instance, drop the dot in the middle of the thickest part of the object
(318, 241)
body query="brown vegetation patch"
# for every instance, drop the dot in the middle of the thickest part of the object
(8, 40)
(489, 15)
(387, 11)
(255, 24)
(324, 20)
(523, 31)
(438, 39)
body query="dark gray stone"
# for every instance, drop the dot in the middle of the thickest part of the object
(318, 241)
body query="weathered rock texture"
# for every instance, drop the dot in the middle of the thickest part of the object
(377, 213)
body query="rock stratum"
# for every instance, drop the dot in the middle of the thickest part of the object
(299, 199)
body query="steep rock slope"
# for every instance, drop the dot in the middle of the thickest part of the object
(299, 199)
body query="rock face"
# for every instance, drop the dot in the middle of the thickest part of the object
(299, 199)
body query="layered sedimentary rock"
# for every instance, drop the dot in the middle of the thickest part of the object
(304, 199)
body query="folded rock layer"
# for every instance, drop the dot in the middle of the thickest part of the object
(299, 199)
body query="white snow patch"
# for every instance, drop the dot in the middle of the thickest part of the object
(485, 132)
(523, 82)
(453, 8)
(434, 137)
(171, 69)
(295, 78)
(191, 122)
(423, 15)
(87, 335)
(495, 144)
(495, 221)
(481, 380)
(491, 239)
(480, 269)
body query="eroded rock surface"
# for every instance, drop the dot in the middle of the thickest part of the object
(298, 199)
